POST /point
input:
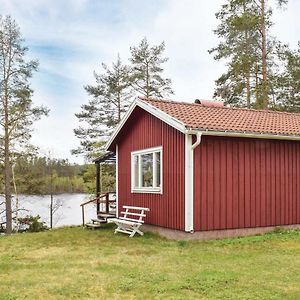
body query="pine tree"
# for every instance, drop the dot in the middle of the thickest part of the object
(249, 51)
(17, 112)
(239, 27)
(111, 97)
(288, 83)
(146, 70)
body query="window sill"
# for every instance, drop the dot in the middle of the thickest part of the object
(146, 191)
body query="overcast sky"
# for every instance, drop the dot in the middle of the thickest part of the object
(71, 38)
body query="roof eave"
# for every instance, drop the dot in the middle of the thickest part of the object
(244, 134)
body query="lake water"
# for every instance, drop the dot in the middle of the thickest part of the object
(68, 213)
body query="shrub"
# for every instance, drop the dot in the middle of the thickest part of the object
(32, 224)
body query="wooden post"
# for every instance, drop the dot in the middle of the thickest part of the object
(51, 210)
(107, 202)
(82, 207)
(98, 185)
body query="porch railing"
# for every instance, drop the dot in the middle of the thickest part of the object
(105, 203)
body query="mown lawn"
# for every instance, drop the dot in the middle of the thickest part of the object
(74, 263)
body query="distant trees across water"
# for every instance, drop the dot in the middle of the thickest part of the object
(42, 176)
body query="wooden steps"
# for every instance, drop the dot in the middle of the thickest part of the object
(92, 225)
(106, 215)
(99, 221)
(102, 219)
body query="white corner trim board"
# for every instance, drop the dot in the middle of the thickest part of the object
(189, 179)
(117, 181)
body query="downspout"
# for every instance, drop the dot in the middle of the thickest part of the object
(198, 140)
(189, 177)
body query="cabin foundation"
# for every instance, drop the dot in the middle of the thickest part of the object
(213, 234)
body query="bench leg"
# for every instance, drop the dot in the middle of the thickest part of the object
(129, 229)
(136, 229)
(140, 232)
(123, 228)
(118, 228)
(133, 233)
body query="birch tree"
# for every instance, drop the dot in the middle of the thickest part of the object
(17, 112)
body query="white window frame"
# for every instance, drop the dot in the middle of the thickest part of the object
(140, 189)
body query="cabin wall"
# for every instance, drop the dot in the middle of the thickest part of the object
(242, 183)
(142, 131)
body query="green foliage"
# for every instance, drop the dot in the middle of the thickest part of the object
(287, 85)
(110, 98)
(107, 175)
(41, 175)
(34, 176)
(32, 224)
(17, 112)
(146, 70)
(89, 178)
(108, 178)
(113, 93)
(241, 34)
(15, 93)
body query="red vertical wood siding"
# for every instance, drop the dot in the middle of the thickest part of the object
(242, 183)
(143, 131)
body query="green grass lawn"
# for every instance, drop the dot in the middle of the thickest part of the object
(74, 263)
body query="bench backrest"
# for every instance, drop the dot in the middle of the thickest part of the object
(134, 211)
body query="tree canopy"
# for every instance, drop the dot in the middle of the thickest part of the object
(249, 51)
(146, 70)
(115, 88)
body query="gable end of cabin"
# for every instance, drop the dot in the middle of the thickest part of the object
(151, 169)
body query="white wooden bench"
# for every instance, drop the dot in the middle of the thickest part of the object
(131, 220)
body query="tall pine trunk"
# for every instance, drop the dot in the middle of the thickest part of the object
(119, 109)
(257, 99)
(265, 91)
(147, 82)
(248, 90)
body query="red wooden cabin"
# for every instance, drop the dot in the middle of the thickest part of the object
(202, 167)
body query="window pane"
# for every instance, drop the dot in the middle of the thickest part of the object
(157, 158)
(147, 170)
(136, 170)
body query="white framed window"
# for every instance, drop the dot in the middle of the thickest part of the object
(146, 171)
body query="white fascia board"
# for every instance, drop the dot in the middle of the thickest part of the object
(173, 122)
(153, 111)
(245, 135)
